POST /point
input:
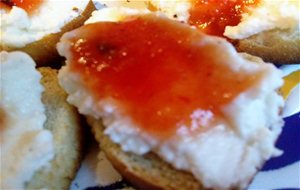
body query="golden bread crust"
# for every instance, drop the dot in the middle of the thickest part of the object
(275, 46)
(146, 172)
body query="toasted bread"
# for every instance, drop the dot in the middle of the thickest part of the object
(276, 46)
(64, 123)
(144, 172)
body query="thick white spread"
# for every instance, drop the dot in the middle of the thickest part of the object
(239, 146)
(135, 4)
(114, 14)
(25, 145)
(177, 9)
(18, 28)
(269, 15)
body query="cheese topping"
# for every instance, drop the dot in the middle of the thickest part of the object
(19, 28)
(25, 145)
(276, 14)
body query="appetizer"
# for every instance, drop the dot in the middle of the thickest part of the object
(41, 135)
(180, 109)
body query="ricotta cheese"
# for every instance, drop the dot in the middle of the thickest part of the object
(135, 4)
(177, 9)
(18, 28)
(276, 14)
(25, 145)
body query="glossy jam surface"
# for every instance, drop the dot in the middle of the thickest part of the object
(160, 73)
(212, 16)
(29, 5)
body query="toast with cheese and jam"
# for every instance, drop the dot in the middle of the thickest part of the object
(41, 133)
(172, 99)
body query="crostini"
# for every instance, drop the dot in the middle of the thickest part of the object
(172, 99)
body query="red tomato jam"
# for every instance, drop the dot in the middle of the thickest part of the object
(212, 16)
(157, 70)
(29, 5)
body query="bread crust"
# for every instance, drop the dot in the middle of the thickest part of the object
(275, 46)
(64, 122)
(44, 51)
(146, 172)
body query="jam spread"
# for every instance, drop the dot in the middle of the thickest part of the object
(158, 71)
(212, 16)
(29, 5)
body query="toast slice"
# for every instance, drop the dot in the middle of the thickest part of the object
(64, 122)
(148, 172)
(276, 46)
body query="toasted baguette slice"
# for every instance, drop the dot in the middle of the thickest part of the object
(44, 51)
(64, 123)
(146, 172)
(276, 46)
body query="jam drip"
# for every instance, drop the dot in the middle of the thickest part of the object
(161, 73)
(212, 16)
(30, 6)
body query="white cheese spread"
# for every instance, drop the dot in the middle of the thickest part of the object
(177, 9)
(25, 145)
(269, 15)
(18, 28)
